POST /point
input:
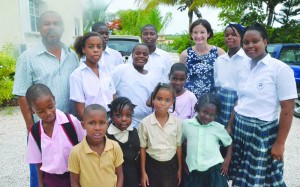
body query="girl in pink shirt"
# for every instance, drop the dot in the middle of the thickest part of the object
(185, 100)
(51, 151)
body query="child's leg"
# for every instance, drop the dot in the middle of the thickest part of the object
(54, 180)
(34, 180)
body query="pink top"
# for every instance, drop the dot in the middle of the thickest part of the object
(184, 107)
(55, 150)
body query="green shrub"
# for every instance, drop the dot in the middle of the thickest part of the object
(7, 70)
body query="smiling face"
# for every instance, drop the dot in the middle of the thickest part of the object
(207, 113)
(254, 45)
(44, 108)
(122, 119)
(95, 123)
(200, 35)
(149, 36)
(93, 49)
(51, 28)
(232, 38)
(177, 81)
(163, 100)
(140, 56)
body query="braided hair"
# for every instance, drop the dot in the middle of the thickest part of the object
(208, 98)
(118, 104)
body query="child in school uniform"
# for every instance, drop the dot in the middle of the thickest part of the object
(185, 100)
(134, 82)
(121, 112)
(52, 152)
(97, 160)
(88, 83)
(160, 141)
(205, 165)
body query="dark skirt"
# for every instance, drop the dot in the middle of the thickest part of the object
(55, 180)
(162, 174)
(228, 99)
(251, 163)
(209, 178)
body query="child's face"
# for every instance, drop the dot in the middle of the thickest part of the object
(207, 113)
(140, 56)
(232, 38)
(44, 108)
(254, 45)
(103, 31)
(163, 100)
(95, 122)
(123, 119)
(200, 34)
(93, 49)
(177, 80)
(149, 36)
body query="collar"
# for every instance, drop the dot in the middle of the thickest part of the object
(87, 149)
(266, 59)
(158, 52)
(42, 49)
(107, 50)
(240, 53)
(195, 122)
(154, 121)
(121, 136)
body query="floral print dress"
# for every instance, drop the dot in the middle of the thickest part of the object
(200, 76)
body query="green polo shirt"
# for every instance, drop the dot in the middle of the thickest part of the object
(203, 149)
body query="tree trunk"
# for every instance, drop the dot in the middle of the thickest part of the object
(270, 15)
(190, 14)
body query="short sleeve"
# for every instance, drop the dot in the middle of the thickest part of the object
(116, 76)
(183, 136)
(23, 76)
(119, 58)
(286, 85)
(143, 135)
(76, 89)
(179, 134)
(33, 154)
(224, 136)
(118, 155)
(73, 162)
(193, 103)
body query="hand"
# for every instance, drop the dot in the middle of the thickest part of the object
(224, 168)
(179, 176)
(277, 151)
(145, 180)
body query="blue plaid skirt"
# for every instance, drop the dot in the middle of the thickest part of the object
(228, 99)
(251, 163)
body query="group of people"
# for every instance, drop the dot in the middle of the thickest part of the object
(210, 118)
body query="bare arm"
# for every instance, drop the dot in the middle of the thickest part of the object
(79, 109)
(182, 57)
(220, 51)
(40, 174)
(285, 122)
(179, 157)
(144, 180)
(26, 112)
(74, 179)
(227, 160)
(120, 176)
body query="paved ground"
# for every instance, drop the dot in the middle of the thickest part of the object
(14, 171)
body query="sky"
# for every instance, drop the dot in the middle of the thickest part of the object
(179, 22)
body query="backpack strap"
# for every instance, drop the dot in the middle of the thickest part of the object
(36, 133)
(70, 131)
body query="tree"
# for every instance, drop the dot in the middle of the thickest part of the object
(192, 5)
(133, 20)
(288, 11)
(95, 12)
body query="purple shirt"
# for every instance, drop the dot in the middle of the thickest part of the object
(184, 106)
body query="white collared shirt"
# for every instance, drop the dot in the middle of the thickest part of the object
(261, 89)
(226, 70)
(86, 87)
(160, 63)
(109, 60)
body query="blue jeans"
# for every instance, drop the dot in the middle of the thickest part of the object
(34, 179)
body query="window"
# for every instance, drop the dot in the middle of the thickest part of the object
(290, 55)
(34, 14)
